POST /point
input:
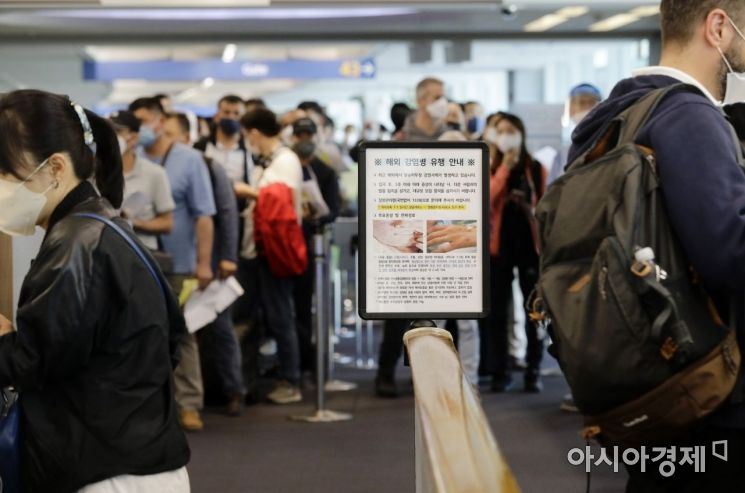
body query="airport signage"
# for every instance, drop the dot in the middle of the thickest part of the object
(197, 70)
(424, 230)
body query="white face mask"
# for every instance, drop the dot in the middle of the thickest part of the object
(578, 117)
(438, 109)
(490, 135)
(20, 207)
(735, 92)
(122, 144)
(509, 142)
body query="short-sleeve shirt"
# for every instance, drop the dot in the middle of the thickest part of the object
(147, 194)
(193, 196)
(236, 162)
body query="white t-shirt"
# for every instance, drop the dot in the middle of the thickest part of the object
(284, 167)
(168, 482)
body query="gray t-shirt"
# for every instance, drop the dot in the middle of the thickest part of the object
(147, 194)
(412, 132)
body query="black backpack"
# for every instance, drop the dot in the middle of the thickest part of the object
(639, 341)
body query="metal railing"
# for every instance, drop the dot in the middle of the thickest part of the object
(456, 451)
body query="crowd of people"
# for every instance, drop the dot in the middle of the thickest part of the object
(109, 375)
(191, 193)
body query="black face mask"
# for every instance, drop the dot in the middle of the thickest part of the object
(230, 127)
(453, 126)
(304, 149)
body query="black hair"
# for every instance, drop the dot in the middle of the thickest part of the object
(152, 104)
(493, 116)
(255, 102)
(399, 113)
(354, 151)
(520, 126)
(231, 99)
(263, 120)
(182, 120)
(311, 106)
(38, 124)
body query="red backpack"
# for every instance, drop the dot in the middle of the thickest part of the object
(277, 231)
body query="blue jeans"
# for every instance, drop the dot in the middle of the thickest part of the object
(228, 362)
(279, 312)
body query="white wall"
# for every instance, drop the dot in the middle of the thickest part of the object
(56, 68)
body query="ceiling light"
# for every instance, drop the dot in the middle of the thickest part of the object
(620, 20)
(208, 82)
(550, 21)
(646, 11)
(614, 22)
(228, 54)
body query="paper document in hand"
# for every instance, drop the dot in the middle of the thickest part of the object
(203, 307)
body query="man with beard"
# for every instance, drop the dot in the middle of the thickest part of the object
(704, 190)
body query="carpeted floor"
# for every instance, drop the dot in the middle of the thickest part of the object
(264, 452)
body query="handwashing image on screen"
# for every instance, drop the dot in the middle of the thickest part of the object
(452, 236)
(396, 236)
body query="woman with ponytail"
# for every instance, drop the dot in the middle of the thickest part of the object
(93, 350)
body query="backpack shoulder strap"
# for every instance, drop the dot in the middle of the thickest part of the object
(138, 251)
(636, 117)
(625, 128)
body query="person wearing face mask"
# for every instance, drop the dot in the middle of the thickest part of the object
(455, 120)
(223, 354)
(320, 182)
(696, 157)
(280, 165)
(190, 243)
(475, 121)
(582, 100)
(490, 135)
(327, 150)
(429, 121)
(517, 184)
(97, 328)
(148, 203)
(225, 145)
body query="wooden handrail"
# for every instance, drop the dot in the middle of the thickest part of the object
(456, 450)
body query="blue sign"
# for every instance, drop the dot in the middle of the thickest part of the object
(169, 70)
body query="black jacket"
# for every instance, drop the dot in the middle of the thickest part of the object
(328, 183)
(93, 357)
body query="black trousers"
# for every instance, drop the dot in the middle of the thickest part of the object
(304, 288)
(719, 476)
(502, 276)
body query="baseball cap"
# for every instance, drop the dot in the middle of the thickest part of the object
(304, 126)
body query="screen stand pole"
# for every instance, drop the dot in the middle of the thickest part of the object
(321, 415)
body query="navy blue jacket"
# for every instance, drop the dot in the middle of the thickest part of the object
(225, 246)
(702, 184)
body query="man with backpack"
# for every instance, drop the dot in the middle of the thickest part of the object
(683, 137)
